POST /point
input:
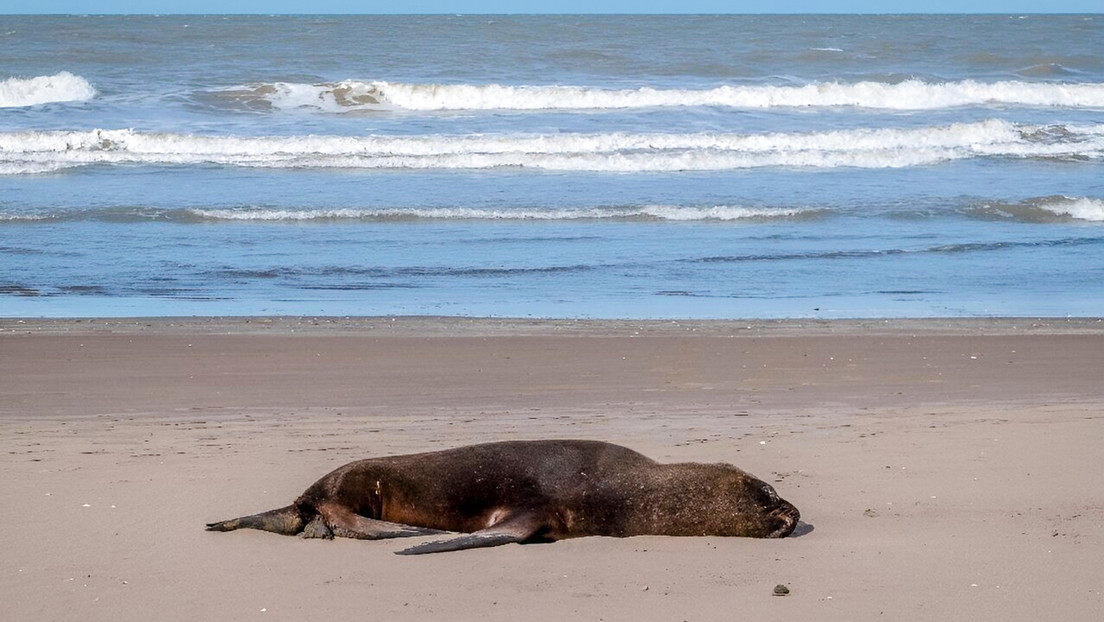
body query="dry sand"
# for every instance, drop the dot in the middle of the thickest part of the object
(947, 470)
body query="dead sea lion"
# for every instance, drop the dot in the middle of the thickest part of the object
(526, 491)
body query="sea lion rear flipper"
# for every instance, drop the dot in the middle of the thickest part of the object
(372, 529)
(518, 528)
(345, 523)
(286, 520)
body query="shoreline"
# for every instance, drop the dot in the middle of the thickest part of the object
(510, 326)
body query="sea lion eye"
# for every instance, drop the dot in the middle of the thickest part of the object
(771, 495)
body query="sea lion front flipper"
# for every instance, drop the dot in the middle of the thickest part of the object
(518, 528)
(317, 528)
(344, 523)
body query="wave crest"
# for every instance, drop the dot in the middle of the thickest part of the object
(1046, 209)
(60, 87)
(649, 212)
(715, 213)
(1083, 208)
(22, 152)
(909, 94)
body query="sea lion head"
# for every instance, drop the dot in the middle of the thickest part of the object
(782, 517)
(763, 512)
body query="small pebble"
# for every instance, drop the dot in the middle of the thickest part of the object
(781, 590)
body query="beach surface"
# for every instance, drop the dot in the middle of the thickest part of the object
(944, 469)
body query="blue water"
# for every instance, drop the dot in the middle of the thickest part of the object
(552, 166)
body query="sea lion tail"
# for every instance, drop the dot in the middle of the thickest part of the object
(287, 521)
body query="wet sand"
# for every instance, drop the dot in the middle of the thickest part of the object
(946, 469)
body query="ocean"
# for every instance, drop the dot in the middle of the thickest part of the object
(552, 166)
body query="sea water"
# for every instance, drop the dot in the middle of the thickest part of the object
(552, 166)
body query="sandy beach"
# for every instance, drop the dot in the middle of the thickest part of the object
(945, 469)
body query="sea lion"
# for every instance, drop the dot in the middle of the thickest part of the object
(526, 491)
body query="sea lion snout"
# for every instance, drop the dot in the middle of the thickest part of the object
(783, 519)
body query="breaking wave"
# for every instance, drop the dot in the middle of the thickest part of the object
(1045, 209)
(910, 94)
(649, 212)
(60, 87)
(36, 152)
(714, 213)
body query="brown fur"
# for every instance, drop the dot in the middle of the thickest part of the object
(518, 491)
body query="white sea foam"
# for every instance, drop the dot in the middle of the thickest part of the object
(651, 212)
(60, 87)
(905, 95)
(8, 217)
(1080, 208)
(29, 168)
(604, 152)
(722, 212)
